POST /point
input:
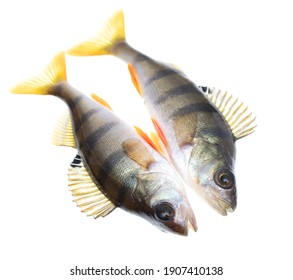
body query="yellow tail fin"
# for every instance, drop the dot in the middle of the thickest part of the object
(53, 74)
(112, 33)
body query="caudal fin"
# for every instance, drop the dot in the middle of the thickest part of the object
(54, 73)
(111, 34)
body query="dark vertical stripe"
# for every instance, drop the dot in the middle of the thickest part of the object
(140, 58)
(93, 139)
(123, 195)
(85, 118)
(158, 75)
(177, 91)
(216, 132)
(108, 165)
(72, 103)
(194, 108)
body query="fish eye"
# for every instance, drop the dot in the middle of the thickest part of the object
(224, 178)
(164, 211)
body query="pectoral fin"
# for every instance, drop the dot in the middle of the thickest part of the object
(185, 129)
(137, 151)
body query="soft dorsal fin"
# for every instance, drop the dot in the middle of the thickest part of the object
(135, 149)
(86, 193)
(240, 120)
(101, 101)
(63, 133)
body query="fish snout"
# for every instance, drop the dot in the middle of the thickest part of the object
(223, 202)
(185, 220)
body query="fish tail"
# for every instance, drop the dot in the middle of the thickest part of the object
(111, 34)
(54, 73)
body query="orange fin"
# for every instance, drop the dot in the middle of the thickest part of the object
(101, 101)
(137, 151)
(159, 144)
(134, 78)
(146, 138)
(160, 133)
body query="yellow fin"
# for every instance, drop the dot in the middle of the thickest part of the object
(240, 121)
(137, 151)
(63, 133)
(112, 33)
(101, 101)
(87, 194)
(53, 74)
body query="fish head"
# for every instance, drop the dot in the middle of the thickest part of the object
(165, 203)
(211, 170)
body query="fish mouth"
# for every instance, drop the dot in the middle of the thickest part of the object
(184, 222)
(221, 205)
(189, 222)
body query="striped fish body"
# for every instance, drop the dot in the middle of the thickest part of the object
(182, 111)
(99, 136)
(120, 167)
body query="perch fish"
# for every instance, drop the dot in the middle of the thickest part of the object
(116, 165)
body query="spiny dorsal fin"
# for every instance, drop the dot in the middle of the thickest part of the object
(63, 133)
(137, 151)
(240, 120)
(86, 193)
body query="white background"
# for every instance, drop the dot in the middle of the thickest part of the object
(244, 47)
